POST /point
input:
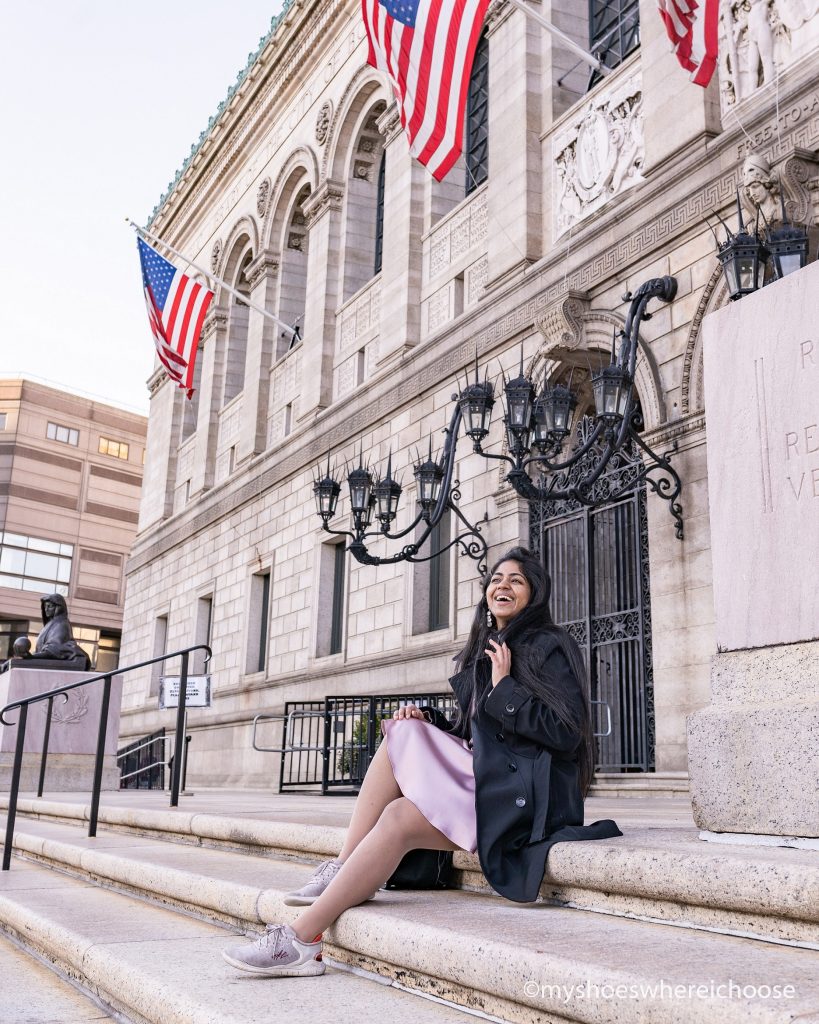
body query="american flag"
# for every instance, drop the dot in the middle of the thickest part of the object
(693, 27)
(176, 309)
(426, 48)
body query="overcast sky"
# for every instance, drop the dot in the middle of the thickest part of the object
(101, 102)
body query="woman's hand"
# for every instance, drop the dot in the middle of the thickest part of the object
(501, 658)
(410, 711)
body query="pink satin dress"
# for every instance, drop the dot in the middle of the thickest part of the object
(434, 770)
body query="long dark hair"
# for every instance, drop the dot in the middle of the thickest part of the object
(535, 617)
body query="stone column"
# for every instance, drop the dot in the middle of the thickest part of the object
(401, 263)
(322, 211)
(159, 476)
(262, 334)
(212, 354)
(514, 195)
(677, 113)
(754, 750)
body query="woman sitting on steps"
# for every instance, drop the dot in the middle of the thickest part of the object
(507, 778)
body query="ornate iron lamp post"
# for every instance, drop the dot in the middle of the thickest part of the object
(788, 246)
(541, 422)
(743, 257)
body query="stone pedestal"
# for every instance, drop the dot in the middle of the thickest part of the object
(74, 728)
(754, 751)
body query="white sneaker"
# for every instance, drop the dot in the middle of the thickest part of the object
(278, 952)
(308, 894)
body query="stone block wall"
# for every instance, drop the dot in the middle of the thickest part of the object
(507, 269)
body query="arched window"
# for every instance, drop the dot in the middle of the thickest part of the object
(379, 214)
(293, 286)
(476, 141)
(237, 336)
(361, 203)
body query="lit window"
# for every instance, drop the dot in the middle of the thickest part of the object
(65, 435)
(30, 563)
(116, 449)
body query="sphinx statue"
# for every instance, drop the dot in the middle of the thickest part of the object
(56, 647)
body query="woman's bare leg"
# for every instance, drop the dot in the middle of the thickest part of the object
(378, 789)
(401, 827)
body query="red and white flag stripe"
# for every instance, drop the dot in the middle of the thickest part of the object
(429, 67)
(176, 330)
(693, 28)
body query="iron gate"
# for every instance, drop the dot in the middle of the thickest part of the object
(598, 560)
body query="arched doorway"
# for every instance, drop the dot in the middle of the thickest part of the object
(598, 560)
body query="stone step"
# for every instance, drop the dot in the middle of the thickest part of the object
(33, 994)
(151, 965)
(527, 965)
(615, 784)
(662, 875)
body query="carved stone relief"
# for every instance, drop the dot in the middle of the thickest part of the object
(359, 318)
(476, 277)
(572, 332)
(263, 198)
(215, 254)
(323, 119)
(561, 324)
(758, 39)
(599, 154)
(457, 235)
(794, 179)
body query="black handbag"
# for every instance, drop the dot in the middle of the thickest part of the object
(422, 869)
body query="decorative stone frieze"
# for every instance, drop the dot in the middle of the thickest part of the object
(359, 318)
(458, 234)
(323, 121)
(215, 320)
(758, 39)
(215, 254)
(389, 123)
(263, 198)
(264, 266)
(476, 277)
(328, 196)
(599, 153)
(561, 324)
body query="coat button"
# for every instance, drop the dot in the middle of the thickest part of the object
(520, 802)
(512, 767)
(499, 737)
(510, 708)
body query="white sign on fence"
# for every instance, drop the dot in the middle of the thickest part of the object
(197, 693)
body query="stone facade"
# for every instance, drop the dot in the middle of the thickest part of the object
(588, 195)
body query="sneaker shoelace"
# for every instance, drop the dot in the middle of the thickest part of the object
(324, 872)
(273, 938)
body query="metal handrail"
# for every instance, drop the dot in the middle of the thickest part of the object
(144, 768)
(145, 743)
(607, 706)
(288, 748)
(49, 695)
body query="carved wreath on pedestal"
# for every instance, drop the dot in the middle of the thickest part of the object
(76, 711)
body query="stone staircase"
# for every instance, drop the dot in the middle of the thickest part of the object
(138, 915)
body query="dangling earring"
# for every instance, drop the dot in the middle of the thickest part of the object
(490, 621)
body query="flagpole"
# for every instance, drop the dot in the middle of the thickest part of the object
(589, 58)
(213, 277)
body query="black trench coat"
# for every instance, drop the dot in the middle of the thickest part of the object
(527, 778)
